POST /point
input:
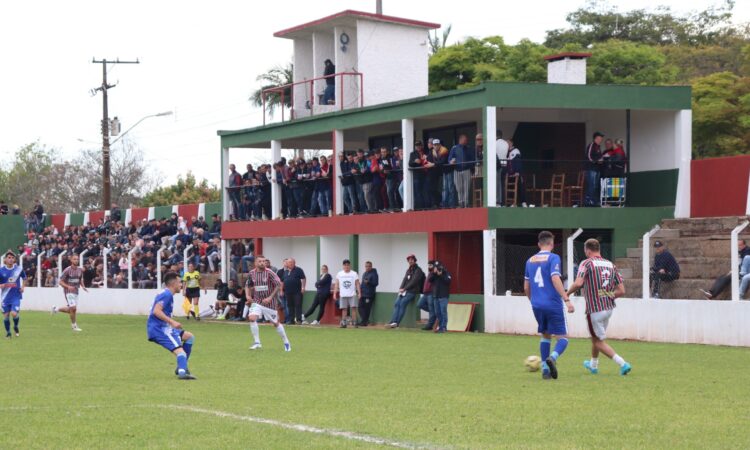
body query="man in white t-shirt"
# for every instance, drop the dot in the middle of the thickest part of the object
(347, 290)
(501, 146)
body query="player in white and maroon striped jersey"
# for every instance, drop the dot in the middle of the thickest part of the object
(70, 280)
(262, 291)
(602, 284)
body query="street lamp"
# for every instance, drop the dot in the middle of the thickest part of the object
(106, 182)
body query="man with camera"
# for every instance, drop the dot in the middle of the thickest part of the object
(440, 279)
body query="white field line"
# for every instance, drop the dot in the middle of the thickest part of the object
(228, 415)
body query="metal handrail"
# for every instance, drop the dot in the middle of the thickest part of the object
(105, 253)
(570, 260)
(130, 267)
(158, 266)
(39, 269)
(281, 90)
(59, 265)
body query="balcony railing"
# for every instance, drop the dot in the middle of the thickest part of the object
(311, 103)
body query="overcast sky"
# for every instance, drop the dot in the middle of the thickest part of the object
(198, 59)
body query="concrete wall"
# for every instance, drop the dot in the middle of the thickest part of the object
(677, 321)
(347, 61)
(388, 254)
(104, 301)
(393, 59)
(304, 69)
(333, 250)
(567, 71)
(303, 249)
(653, 145)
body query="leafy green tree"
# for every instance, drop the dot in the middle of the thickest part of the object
(186, 191)
(622, 62)
(276, 77)
(721, 115)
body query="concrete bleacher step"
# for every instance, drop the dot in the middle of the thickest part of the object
(684, 288)
(703, 226)
(704, 268)
(666, 233)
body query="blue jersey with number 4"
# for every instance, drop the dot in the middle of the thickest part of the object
(11, 277)
(539, 271)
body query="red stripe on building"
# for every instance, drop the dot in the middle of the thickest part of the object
(188, 211)
(95, 216)
(58, 220)
(412, 222)
(718, 186)
(137, 214)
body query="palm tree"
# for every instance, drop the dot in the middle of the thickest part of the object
(275, 77)
(437, 42)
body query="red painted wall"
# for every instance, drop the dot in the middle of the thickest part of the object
(461, 253)
(719, 186)
(58, 220)
(94, 217)
(188, 211)
(137, 214)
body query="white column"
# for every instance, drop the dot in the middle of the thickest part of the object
(646, 263)
(39, 268)
(407, 134)
(225, 262)
(684, 154)
(570, 254)
(225, 208)
(490, 160)
(275, 187)
(489, 238)
(338, 149)
(105, 253)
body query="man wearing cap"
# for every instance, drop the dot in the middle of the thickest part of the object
(347, 289)
(665, 268)
(411, 285)
(11, 291)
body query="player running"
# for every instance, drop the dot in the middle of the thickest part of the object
(70, 280)
(262, 288)
(167, 332)
(11, 291)
(544, 287)
(602, 284)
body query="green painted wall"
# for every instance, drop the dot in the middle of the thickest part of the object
(76, 219)
(653, 188)
(213, 208)
(162, 211)
(628, 224)
(11, 232)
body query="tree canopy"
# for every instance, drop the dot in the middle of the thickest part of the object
(185, 191)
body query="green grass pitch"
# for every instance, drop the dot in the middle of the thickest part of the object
(107, 387)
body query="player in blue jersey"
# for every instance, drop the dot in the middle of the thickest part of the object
(544, 287)
(11, 291)
(167, 332)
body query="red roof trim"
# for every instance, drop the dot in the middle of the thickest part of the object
(574, 55)
(350, 12)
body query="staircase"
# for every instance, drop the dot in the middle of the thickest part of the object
(701, 248)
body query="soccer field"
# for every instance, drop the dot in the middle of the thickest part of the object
(357, 388)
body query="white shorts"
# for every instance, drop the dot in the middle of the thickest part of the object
(268, 314)
(348, 302)
(598, 322)
(72, 300)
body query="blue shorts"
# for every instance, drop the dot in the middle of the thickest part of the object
(551, 321)
(14, 305)
(167, 337)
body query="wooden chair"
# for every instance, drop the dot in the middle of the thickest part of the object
(555, 191)
(511, 190)
(574, 193)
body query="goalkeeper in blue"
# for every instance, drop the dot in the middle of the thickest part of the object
(167, 332)
(544, 287)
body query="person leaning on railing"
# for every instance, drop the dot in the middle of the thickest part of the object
(347, 183)
(463, 157)
(419, 160)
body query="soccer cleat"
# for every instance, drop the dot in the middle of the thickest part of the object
(546, 375)
(593, 370)
(287, 347)
(256, 346)
(343, 324)
(75, 328)
(186, 376)
(625, 369)
(315, 322)
(177, 371)
(54, 310)
(551, 363)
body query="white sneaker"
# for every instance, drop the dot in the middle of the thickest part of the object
(54, 310)
(256, 346)
(75, 328)
(315, 322)
(303, 319)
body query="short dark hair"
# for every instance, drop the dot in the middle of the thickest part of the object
(592, 245)
(346, 261)
(598, 134)
(169, 276)
(546, 238)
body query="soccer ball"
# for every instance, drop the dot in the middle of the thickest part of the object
(533, 363)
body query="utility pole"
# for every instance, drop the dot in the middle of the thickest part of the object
(106, 179)
(379, 7)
